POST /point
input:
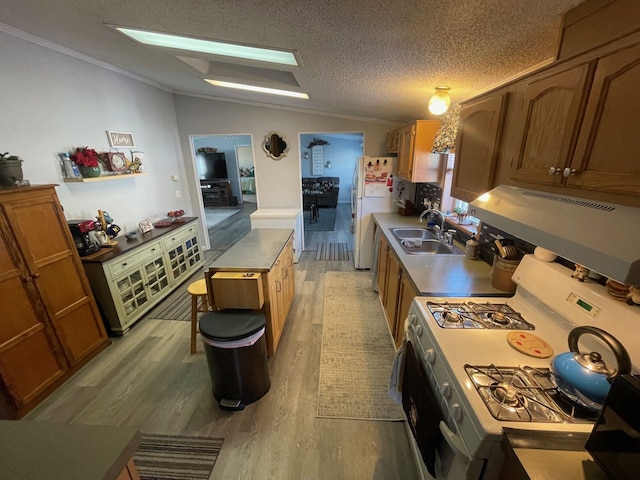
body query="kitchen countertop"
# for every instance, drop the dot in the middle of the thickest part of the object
(439, 275)
(256, 251)
(55, 451)
(550, 456)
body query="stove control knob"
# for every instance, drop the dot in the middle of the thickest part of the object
(445, 390)
(430, 355)
(418, 331)
(456, 412)
(412, 319)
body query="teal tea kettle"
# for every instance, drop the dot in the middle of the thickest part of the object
(585, 378)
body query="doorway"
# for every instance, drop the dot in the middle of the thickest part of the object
(217, 172)
(332, 175)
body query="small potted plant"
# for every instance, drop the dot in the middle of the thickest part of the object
(87, 161)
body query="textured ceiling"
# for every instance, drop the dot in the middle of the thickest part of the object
(379, 59)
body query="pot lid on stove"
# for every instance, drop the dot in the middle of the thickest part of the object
(601, 236)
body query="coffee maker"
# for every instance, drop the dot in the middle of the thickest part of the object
(80, 229)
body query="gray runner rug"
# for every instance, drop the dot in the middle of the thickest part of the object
(176, 457)
(332, 251)
(357, 352)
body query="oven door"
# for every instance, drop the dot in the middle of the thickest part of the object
(441, 450)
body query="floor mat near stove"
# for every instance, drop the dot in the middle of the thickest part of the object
(357, 352)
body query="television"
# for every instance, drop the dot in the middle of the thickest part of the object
(212, 166)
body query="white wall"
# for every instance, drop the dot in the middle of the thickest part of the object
(278, 182)
(52, 102)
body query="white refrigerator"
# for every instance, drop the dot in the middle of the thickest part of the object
(371, 192)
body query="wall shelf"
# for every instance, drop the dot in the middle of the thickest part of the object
(103, 178)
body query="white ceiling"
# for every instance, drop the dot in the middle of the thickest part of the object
(379, 59)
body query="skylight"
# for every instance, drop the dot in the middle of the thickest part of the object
(254, 88)
(210, 46)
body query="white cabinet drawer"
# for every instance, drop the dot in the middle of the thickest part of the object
(125, 262)
(178, 235)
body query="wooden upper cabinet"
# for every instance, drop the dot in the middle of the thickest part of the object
(607, 156)
(415, 142)
(546, 123)
(405, 150)
(392, 141)
(478, 146)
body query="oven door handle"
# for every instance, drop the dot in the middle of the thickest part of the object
(454, 441)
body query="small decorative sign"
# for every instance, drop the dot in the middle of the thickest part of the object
(120, 139)
(317, 159)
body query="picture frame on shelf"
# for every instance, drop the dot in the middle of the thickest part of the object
(145, 225)
(118, 162)
(69, 169)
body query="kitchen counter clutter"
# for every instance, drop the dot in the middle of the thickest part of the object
(133, 276)
(55, 451)
(264, 260)
(438, 275)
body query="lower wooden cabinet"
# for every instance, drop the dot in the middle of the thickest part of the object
(281, 292)
(395, 289)
(130, 284)
(406, 294)
(50, 324)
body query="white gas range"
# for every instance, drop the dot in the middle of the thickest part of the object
(462, 347)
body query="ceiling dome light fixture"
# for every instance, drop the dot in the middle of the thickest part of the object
(440, 101)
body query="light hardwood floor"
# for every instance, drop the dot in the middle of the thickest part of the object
(148, 380)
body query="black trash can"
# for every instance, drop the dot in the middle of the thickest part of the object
(236, 349)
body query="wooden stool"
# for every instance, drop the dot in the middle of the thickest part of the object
(198, 291)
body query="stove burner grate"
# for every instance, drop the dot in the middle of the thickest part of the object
(524, 394)
(477, 315)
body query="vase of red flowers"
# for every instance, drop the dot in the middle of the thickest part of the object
(87, 161)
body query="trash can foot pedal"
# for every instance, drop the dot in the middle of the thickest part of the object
(231, 404)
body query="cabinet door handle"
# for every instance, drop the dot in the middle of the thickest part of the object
(124, 264)
(278, 286)
(554, 171)
(567, 172)
(285, 272)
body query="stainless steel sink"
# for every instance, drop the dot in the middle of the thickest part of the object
(423, 233)
(427, 245)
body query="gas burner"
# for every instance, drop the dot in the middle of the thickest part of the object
(508, 395)
(523, 394)
(452, 317)
(477, 315)
(498, 317)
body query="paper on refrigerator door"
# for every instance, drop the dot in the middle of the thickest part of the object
(376, 178)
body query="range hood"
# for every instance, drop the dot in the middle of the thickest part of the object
(603, 237)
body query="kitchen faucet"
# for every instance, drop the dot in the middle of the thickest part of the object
(433, 210)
